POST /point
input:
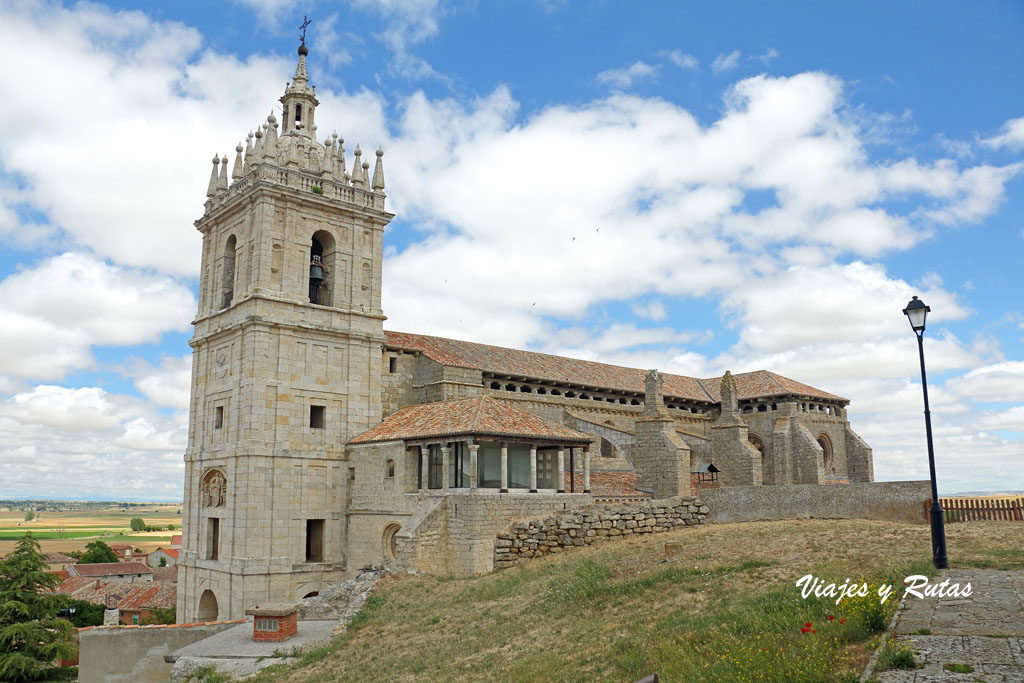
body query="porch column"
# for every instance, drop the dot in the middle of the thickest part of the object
(586, 469)
(504, 467)
(560, 472)
(473, 448)
(533, 468)
(424, 468)
(444, 468)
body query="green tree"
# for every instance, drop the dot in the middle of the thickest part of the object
(32, 637)
(86, 613)
(29, 515)
(138, 524)
(163, 562)
(97, 551)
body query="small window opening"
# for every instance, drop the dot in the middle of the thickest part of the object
(570, 394)
(762, 408)
(392, 365)
(298, 113)
(266, 624)
(391, 469)
(495, 385)
(314, 540)
(351, 473)
(510, 387)
(634, 402)
(316, 417)
(212, 538)
(525, 389)
(556, 392)
(541, 390)
(218, 418)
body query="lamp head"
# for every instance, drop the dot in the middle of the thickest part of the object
(916, 312)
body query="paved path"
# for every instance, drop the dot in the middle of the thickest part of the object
(984, 631)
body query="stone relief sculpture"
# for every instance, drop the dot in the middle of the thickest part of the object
(214, 489)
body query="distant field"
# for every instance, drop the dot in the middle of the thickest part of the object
(71, 530)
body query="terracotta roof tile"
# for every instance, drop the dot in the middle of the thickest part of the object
(482, 415)
(542, 366)
(109, 568)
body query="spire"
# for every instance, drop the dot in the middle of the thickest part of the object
(270, 141)
(222, 182)
(339, 164)
(357, 174)
(258, 147)
(211, 189)
(238, 170)
(378, 172)
(248, 153)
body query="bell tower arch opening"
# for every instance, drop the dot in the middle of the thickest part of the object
(322, 256)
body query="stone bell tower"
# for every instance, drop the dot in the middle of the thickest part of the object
(285, 365)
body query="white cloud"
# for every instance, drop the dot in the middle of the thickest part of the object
(327, 42)
(680, 59)
(87, 443)
(1000, 382)
(1012, 136)
(726, 62)
(624, 78)
(51, 314)
(654, 310)
(167, 385)
(769, 55)
(408, 23)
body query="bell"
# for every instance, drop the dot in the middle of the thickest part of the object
(316, 270)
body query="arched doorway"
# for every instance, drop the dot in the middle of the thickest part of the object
(826, 454)
(390, 542)
(767, 471)
(207, 606)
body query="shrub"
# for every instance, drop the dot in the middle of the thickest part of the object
(897, 655)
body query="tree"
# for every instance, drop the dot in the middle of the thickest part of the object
(138, 524)
(163, 562)
(97, 551)
(86, 613)
(32, 637)
(29, 515)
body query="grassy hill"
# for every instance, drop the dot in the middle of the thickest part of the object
(729, 611)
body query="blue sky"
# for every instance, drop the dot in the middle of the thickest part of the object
(689, 186)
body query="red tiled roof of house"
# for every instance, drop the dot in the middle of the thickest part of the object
(542, 366)
(173, 552)
(481, 415)
(111, 568)
(176, 540)
(166, 573)
(162, 595)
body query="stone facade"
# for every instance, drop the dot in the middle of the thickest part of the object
(292, 367)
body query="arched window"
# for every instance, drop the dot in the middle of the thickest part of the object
(390, 542)
(322, 268)
(390, 469)
(767, 472)
(228, 279)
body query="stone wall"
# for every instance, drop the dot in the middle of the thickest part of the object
(894, 501)
(135, 654)
(521, 541)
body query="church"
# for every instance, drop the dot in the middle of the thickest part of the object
(321, 444)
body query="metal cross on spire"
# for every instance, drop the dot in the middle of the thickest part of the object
(305, 22)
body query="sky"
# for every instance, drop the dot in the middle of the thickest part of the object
(694, 187)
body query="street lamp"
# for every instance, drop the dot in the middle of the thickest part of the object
(916, 312)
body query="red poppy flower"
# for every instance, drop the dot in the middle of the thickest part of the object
(830, 617)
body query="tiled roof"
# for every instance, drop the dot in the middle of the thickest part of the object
(176, 540)
(542, 366)
(481, 415)
(166, 573)
(170, 552)
(111, 568)
(130, 596)
(52, 558)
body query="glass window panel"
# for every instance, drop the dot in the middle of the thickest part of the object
(518, 466)
(489, 465)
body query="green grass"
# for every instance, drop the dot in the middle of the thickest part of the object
(621, 612)
(958, 668)
(45, 534)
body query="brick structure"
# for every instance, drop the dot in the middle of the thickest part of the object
(320, 444)
(273, 623)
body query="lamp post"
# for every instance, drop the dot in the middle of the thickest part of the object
(916, 312)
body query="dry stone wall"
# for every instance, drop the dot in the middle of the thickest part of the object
(521, 541)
